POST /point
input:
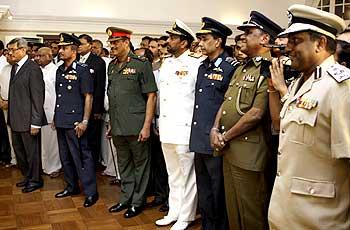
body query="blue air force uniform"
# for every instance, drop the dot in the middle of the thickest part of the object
(212, 82)
(76, 158)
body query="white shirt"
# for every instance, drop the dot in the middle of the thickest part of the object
(5, 75)
(21, 63)
(83, 58)
(49, 73)
(3, 61)
(177, 81)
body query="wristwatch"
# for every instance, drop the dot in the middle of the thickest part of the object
(85, 122)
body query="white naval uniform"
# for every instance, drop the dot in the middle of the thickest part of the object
(5, 75)
(177, 80)
(49, 146)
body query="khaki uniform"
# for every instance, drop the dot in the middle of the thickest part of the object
(312, 187)
(245, 156)
(127, 86)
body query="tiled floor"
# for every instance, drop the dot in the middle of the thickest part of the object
(40, 210)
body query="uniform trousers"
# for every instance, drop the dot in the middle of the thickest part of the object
(210, 186)
(158, 169)
(182, 182)
(134, 168)
(246, 198)
(50, 157)
(27, 151)
(77, 161)
(93, 131)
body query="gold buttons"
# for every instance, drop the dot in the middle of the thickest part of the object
(246, 138)
(224, 112)
(229, 98)
(69, 87)
(200, 90)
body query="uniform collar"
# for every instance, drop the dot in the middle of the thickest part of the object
(264, 56)
(183, 55)
(217, 61)
(328, 62)
(72, 66)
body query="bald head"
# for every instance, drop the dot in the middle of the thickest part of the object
(44, 56)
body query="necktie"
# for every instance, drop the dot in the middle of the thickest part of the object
(13, 70)
(82, 60)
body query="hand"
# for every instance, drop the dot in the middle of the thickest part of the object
(80, 129)
(156, 131)
(144, 134)
(53, 127)
(3, 104)
(109, 132)
(34, 131)
(217, 140)
(97, 116)
(277, 76)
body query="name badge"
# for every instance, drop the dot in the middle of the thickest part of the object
(249, 78)
(128, 71)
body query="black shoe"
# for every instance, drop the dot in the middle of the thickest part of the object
(32, 186)
(22, 183)
(164, 207)
(132, 211)
(118, 207)
(90, 200)
(65, 193)
(156, 202)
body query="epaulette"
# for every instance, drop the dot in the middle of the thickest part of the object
(167, 56)
(141, 58)
(82, 64)
(232, 61)
(195, 55)
(339, 72)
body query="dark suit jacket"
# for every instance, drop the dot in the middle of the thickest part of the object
(98, 65)
(26, 98)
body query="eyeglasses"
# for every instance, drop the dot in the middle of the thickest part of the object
(11, 50)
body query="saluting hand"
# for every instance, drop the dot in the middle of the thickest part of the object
(144, 134)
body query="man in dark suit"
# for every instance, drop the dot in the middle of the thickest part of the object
(97, 67)
(26, 113)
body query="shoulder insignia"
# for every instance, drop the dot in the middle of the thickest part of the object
(82, 64)
(232, 61)
(339, 72)
(258, 58)
(194, 55)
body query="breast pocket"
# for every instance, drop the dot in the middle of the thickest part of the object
(315, 188)
(247, 93)
(304, 123)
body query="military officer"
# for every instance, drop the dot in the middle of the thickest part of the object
(132, 98)
(177, 78)
(74, 88)
(213, 77)
(312, 186)
(238, 132)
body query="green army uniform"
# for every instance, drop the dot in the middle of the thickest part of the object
(128, 86)
(244, 157)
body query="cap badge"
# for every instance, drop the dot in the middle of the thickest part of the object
(109, 32)
(61, 38)
(290, 18)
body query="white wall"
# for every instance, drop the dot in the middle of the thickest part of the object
(150, 17)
